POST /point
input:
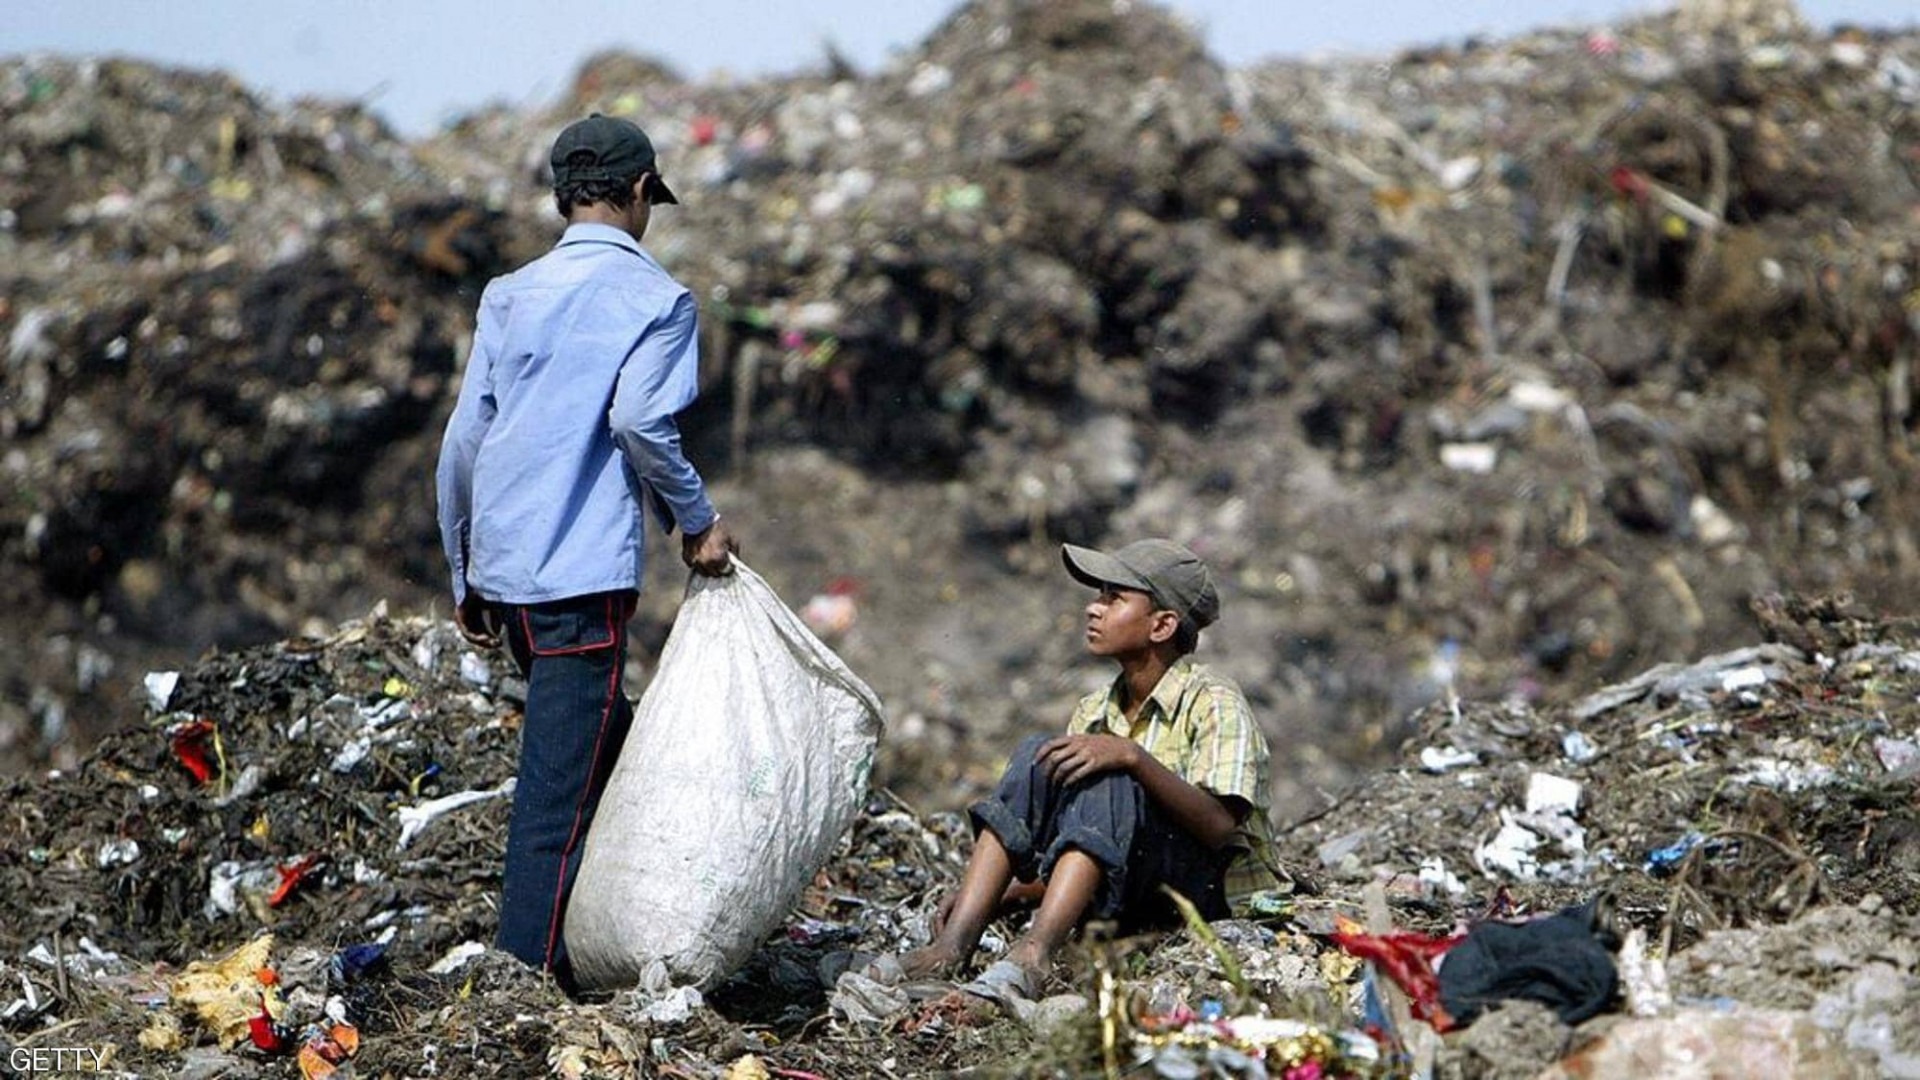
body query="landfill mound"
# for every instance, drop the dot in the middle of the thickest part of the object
(1511, 366)
(1751, 814)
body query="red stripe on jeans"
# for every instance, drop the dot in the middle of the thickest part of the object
(580, 807)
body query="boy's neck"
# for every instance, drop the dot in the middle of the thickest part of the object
(1140, 673)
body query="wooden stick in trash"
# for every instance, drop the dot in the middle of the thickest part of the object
(1421, 1041)
(1380, 924)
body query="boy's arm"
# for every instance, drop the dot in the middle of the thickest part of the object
(1210, 818)
(660, 378)
(473, 412)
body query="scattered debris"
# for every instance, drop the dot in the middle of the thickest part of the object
(1488, 375)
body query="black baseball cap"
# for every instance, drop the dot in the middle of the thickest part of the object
(621, 152)
(1176, 578)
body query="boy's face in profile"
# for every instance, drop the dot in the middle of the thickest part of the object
(1123, 621)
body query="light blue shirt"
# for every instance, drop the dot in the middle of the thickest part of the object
(565, 426)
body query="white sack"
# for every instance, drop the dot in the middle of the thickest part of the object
(748, 758)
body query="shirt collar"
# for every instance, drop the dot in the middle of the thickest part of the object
(1165, 697)
(605, 234)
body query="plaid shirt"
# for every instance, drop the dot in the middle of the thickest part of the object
(1199, 726)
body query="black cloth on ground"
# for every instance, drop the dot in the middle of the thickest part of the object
(1563, 961)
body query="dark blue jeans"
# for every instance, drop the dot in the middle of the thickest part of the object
(572, 653)
(1111, 818)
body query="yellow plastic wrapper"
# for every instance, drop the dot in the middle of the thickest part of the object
(748, 1068)
(224, 994)
(164, 1034)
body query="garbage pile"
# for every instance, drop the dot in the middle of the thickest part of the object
(1492, 371)
(288, 868)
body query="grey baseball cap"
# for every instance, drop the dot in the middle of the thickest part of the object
(609, 148)
(1175, 577)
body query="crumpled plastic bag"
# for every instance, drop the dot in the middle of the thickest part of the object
(748, 758)
(224, 995)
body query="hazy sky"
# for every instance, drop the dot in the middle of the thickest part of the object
(421, 62)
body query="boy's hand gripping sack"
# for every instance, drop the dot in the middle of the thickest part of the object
(748, 758)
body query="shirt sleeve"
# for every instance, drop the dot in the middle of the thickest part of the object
(473, 412)
(661, 376)
(1230, 751)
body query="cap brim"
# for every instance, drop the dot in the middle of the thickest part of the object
(662, 194)
(1098, 569)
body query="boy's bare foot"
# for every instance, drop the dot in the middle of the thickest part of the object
(1032, 958)
(935, 961)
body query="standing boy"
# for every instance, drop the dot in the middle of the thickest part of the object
(1162, 778)
(563, 433)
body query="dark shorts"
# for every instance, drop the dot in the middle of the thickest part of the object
(1110, 818)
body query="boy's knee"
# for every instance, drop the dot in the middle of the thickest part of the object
(1025, 754)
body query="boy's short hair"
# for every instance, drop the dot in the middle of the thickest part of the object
(615, 193)
(1186, 637)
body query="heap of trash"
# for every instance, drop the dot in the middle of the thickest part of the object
(289, 867)
(1504, 368)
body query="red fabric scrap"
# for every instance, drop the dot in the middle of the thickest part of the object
(1408, 959)
(193, 744)
(266, 1034)
(290, 876)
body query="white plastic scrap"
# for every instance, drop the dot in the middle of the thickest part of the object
(1549, 815)
(928, 79)
(352, 754)
(1510, 851)
(1900, 757)
(456, 958)
(1578, 748)
(1745, 678)
(1477, 458)
(28, 1001)
(91, 959)
(1531, 396)
(1434, 872)
(474, 669)
(160, 686)
(1439, 759)
(1643, 977)
(388, 711)
(1459, 172)
(251, 778)
(1549, 794)
(426, 651)
(227, 881)
(676, 1007)
(415, 818)
(1711, 524)
(119, 853)
(862, 1001)
(1788, 776)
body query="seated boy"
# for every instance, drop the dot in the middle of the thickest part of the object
(1161, 779)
